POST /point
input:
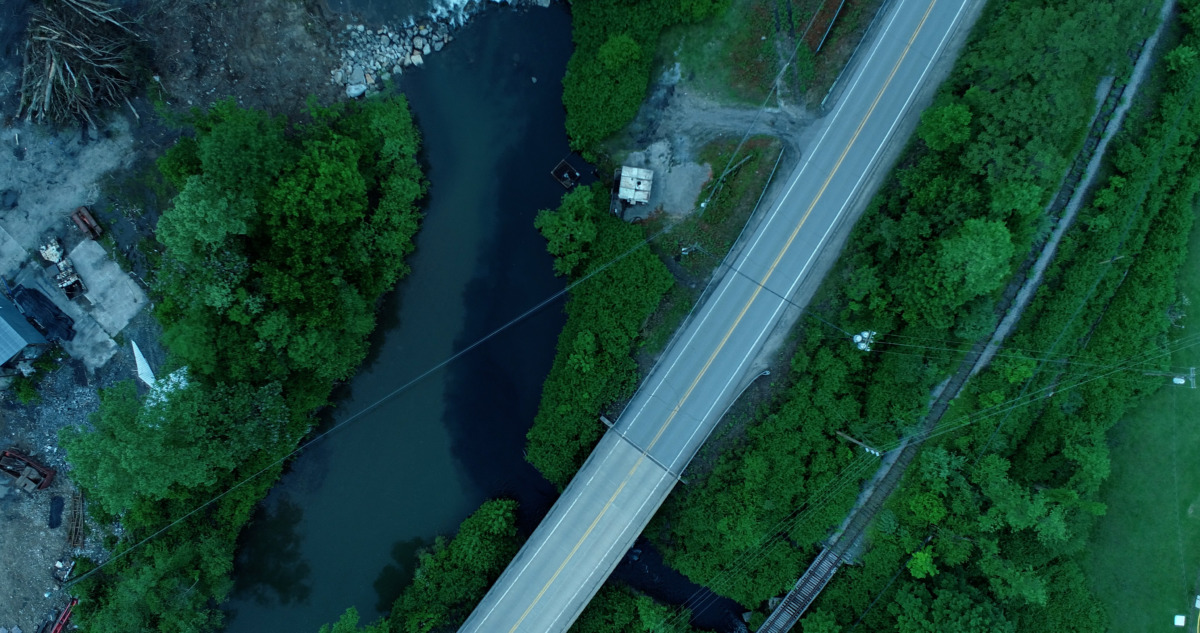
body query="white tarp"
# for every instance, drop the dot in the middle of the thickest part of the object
(143, 368)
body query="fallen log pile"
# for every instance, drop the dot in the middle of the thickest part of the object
(78, 59)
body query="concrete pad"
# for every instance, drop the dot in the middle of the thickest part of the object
(115, 297)
(12, 254)
(55, 171)
(92, 344)
(677, 183)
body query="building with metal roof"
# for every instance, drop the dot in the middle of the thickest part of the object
(16, 333)
(634, 186)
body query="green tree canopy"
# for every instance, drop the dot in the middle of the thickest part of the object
(619, 53)
(178, 439)
(945, 126)
(454, 574)
(952, 609)
(348, 623)
(570, 229)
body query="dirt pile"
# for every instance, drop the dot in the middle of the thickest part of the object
(268, 54)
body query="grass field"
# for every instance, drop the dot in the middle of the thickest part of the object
(731, 57)
(1144, 555)
(736, 56)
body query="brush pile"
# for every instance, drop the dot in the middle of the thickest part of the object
(78, 59)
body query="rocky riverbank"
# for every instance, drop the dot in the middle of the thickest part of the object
(372, 56)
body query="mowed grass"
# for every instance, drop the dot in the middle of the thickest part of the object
(1144, 555)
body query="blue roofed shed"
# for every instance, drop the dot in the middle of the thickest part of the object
(16, 333)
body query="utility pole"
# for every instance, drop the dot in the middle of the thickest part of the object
(874, 451)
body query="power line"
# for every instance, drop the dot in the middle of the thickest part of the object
(701, 599)
(350, 419)
(930, 436)
(803, 309)
(1134, 213)
(1049, 391)
(376, 404)
(1041, 362)
(723, 579)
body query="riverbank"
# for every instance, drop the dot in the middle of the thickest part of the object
(435, 452)
(128, 197)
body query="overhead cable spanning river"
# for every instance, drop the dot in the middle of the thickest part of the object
(342, 527)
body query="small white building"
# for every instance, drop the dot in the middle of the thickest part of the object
(634, 186)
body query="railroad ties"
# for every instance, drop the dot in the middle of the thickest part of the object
(75, 522)
(802, 595)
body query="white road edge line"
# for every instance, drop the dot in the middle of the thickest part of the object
(857, 184)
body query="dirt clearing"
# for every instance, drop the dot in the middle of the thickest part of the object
(268, 54)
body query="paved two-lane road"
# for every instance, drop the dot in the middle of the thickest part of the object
(631, 471)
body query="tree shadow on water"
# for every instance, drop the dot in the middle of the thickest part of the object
(395, 577)
(269, 568)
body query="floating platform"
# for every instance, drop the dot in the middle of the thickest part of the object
(565, 174)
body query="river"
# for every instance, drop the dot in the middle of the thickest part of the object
(342, 526)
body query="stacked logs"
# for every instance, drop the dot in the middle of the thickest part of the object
(77, 60)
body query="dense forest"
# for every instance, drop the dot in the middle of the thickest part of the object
(942, 240)
(609, 70)
(983, 534)
(1007, 491)
(277, 246)
(453, 575)
(593, 365)
(985, 530)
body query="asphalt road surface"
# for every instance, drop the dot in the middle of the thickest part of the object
(634, 467)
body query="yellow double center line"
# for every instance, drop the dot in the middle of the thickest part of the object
(758, 289)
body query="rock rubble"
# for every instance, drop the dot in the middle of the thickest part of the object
(372, 56)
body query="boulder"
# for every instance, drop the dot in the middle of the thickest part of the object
(425, 50)
(418, 42)
(357, 76)
(416, 59)
(338, 76)
(396, 70)
(356, 90)
(384, 40)
(437, 45)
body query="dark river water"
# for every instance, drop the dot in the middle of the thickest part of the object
(343, 525)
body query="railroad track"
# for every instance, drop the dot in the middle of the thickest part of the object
(75, 521)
